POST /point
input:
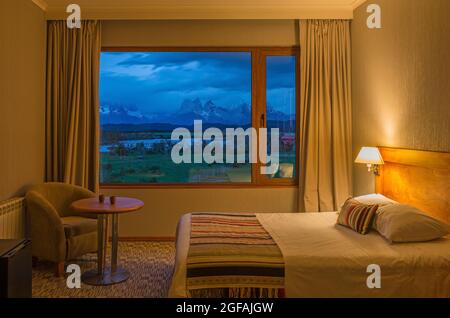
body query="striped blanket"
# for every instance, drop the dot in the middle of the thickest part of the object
(233, 252)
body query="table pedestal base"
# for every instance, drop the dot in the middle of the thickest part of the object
(92, 277)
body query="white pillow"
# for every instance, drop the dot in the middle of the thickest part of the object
(403, 223)
(372, 199)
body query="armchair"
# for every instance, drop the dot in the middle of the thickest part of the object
(58, 233)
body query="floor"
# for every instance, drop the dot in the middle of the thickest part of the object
(149, 263)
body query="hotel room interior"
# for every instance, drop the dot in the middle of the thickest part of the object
(225, 149)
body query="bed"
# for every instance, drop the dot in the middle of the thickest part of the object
(322, 259)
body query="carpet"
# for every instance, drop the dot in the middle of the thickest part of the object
(150, 265)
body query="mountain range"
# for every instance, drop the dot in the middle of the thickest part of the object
(188, 111)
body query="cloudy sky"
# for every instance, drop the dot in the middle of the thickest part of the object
(159, 81)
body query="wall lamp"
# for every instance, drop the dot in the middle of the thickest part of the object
(370, 156)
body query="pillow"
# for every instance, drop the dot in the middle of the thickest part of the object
(377, 199)
(403, 223)
(357, 216)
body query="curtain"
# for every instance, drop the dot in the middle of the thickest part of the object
(72, 117)
(325, 115)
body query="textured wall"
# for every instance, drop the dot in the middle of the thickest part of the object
(22, 96)
(200, 33)
(401, 79)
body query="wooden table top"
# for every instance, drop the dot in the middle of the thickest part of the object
(122, 205)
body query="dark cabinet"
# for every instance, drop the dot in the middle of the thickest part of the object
(15, 269)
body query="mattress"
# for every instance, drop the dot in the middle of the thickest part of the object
(323, 259)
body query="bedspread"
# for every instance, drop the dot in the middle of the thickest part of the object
(232, 251)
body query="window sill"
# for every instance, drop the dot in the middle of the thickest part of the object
(197, 186)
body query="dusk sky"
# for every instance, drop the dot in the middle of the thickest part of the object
(159, 81)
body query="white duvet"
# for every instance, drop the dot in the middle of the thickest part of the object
(326, 260)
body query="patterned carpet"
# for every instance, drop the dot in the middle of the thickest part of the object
(150, 265)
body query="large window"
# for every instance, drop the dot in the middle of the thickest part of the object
(187, 117)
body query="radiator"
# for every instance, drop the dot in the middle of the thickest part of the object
(12, 219)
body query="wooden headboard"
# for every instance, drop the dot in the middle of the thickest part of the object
(418, 178)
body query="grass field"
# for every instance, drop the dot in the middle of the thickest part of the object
(159, 168)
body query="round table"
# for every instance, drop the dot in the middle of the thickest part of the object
(102, 275)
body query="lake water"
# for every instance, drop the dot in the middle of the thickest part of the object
(148, 143)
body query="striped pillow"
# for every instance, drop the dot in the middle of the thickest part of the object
(357, 216)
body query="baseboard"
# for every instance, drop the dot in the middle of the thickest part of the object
(146, 239)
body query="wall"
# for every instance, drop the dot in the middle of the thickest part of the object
(22, 96)
(163, 207)
(401, 80)
(200, 33)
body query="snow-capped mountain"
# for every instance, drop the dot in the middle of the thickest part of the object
(209, 112)
(110, 114)
(188, 111)
(276, 115)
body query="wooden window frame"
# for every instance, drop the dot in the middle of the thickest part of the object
(258, 55)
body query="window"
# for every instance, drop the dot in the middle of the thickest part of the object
(281, 110)
(166, 116)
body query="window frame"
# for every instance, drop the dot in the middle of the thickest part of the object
(258, 104)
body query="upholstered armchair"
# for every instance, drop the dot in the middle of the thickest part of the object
(57, 233)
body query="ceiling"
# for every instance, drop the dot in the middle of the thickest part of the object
(203, 9)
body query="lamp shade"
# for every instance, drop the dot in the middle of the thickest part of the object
(370, 155)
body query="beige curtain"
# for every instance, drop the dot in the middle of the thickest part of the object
(325, 115)
(72, 117)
